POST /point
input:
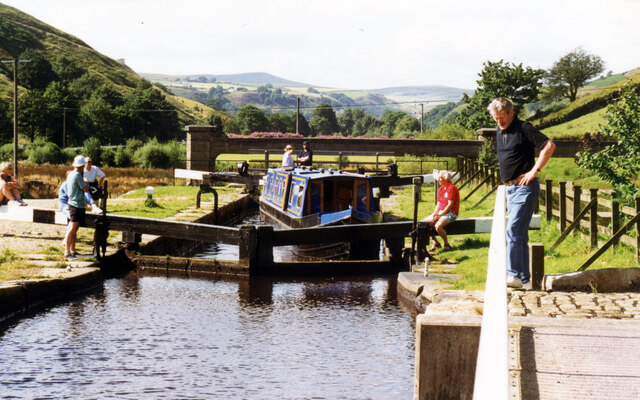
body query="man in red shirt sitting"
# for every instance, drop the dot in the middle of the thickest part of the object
(446, 211)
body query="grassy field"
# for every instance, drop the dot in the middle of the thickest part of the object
(576, 128)
(168, 201)
(470, 252)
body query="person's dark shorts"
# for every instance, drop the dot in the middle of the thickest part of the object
(77, 214)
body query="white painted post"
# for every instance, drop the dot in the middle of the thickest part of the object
(492, 368)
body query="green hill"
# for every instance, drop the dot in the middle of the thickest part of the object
(585, 114)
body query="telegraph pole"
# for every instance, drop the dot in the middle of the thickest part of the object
(15, 62)
(421, 116)
(298, 115)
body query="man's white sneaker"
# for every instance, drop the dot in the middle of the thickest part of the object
(513, 282)
(527, 286)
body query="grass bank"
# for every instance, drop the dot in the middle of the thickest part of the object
(470, 252)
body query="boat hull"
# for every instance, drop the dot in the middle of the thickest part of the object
(358, 250)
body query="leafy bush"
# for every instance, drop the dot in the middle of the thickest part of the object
(108, 157)
(158, 155)
(93, 148)
(45, 152)
(123, 157)
(6, 152)
(450, 131)
(134, 144)
(487, 154)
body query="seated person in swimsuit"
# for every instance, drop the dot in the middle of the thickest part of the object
(9, 186)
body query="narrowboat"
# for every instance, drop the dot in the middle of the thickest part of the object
(300, 197)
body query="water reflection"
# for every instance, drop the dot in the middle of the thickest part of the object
(155, 338)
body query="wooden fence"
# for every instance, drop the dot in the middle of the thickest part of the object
(591, 210)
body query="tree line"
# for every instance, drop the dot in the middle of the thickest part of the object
(65, 103)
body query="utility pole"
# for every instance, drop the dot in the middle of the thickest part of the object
(298, 115)
(421, 116)
(64, 126)
(15, 62)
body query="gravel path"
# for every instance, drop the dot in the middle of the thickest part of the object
(30, 238)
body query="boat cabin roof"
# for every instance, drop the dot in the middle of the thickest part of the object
(324, 174)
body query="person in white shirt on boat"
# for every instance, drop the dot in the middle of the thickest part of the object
(287, 160)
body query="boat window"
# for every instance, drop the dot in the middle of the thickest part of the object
(300, 196)
(329, 201)
(362, 195)
(315, 198)
(291, 194)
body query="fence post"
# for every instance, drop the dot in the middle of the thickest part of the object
(593, 229)
(536, 262)
(417, 189)
(264, 259)
(577, 192)
(377, 162)
(340, 160)
(266, 159)
(549, 201)
(248, 246)
(615, 215)
(494, 176)
(563, 206)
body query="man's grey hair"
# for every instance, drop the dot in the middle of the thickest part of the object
(4, 165)
(445, 175)
(500, 104)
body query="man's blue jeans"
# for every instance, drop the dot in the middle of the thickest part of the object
(521, 201)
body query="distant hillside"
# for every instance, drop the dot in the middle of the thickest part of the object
(252, 78)
(230, 92)
(434, 92)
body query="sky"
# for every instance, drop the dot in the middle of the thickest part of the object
(347, 44)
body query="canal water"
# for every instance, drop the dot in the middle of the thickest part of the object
(170, 338)
(150, 337)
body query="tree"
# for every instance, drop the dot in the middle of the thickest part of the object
(6, 123)
(324, 121)
(37, 73)
(390, 119)
(252, 119)
(619, 164)
(146, 113)
(66, 69)
(499, 79)
(281, 122)
(346, 121)
(407, 124)
(571, 72)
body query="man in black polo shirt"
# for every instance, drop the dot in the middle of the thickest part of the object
(516, 144)
(305, 157)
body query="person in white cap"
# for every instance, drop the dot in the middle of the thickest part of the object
(76, 186)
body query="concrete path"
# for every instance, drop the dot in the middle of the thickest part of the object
(563, 345)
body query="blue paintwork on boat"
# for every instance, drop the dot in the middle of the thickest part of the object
(331, 196)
